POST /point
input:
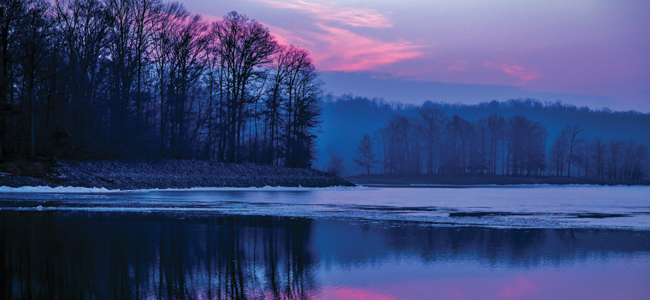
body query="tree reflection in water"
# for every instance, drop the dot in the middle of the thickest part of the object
(112, 255)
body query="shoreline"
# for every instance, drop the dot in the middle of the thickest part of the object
(169, 174)
(432, 181)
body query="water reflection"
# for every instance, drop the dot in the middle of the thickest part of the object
(81, 255)
(113, 256)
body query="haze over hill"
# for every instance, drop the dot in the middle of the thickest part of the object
(347, 118)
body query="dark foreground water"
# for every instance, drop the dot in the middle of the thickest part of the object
(171, 255)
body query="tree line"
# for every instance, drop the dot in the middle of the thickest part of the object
(596, 158)
(430, 142)
(125, 78)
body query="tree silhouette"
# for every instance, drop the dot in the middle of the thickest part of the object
(496, 125)
(432, 121)
(366, 156)
(598, 152)
(244, 46)
(123, 78)
(574, 140)
(558, 152)
(335, 165)
(397, 134)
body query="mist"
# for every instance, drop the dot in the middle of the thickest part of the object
(345, 120)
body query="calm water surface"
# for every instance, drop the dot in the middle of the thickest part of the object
(326, 244)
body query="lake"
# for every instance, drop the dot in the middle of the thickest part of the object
(524, 242)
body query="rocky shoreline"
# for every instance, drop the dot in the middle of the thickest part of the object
(170, 174)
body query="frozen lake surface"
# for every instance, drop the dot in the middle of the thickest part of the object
(535, 206)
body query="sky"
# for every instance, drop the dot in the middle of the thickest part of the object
(592, 53)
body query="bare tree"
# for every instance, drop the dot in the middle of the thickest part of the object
(397, 134)
(457, 133)
(146, 15)
(35, 36)
(585, 157)
(83, 26)
(187, 63)
(574, 139)
(527, 146)
(558, 152)
(635, 158)
(365, 155)
(640, 162)
(11, 14)
(598, 152)
(335, 165)
(432, 122)
(275, 101)
(381, 149)
(615, 148)
(129, 39)
(244, 45)
(167, 20)
(496, 125)
(303, 90)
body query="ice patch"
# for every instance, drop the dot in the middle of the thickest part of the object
(531, 185)
(58, 189)
(84, 190)
(269, 188)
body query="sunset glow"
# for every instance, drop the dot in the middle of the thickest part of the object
(585, 48)
(325, 149)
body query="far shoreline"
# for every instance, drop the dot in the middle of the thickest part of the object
(387, 180)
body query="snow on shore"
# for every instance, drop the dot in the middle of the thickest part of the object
(84, 190)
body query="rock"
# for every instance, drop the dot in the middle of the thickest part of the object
(12, 168)
(35, 170)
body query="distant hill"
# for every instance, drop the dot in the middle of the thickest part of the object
(347, 118)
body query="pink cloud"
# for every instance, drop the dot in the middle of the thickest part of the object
(521, 288)
(457, 66)
(210, 19)
(288, 37)
(349, 293)
(454, 293)
(516, 71)
(337, 49)
(344, 15)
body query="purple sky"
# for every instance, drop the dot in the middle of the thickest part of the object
(585, 52)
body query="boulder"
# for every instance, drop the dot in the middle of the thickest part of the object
(35, 170)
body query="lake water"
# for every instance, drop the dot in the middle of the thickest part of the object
(527, 242)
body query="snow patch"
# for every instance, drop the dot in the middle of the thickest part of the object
(84, 190)
(269, 188)
(58, 189)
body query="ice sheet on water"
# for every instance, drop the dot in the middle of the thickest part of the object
(270, 189)
(534, 185)
(540, 206)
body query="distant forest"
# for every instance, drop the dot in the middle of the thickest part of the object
(516, 137)
(143, 78)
